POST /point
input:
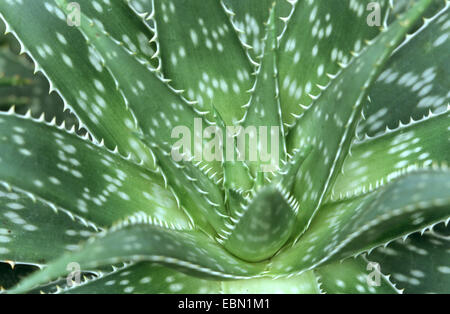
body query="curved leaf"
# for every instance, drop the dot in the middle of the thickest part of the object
(376, 161)
(203, 55)
(357, 225)
(329, 124)
(419, 264)
(353, 276)
(137, 240)
(123, 24)
(264, 112)
(32, 232)
(145, 277)
(249, 18)
(319, 36)
(60, 53)
(73, 174)
(154, 278)
(194, 190)
(262, 226)
(415, 79)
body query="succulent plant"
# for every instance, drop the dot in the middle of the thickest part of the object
(358, 189)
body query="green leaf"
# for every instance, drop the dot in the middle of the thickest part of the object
(264, 220)
(75, 71)
(376, 161)
(203, 55)
(70, 173)
(415, 79)
(263, 225)
(145, 277)
(263, 117)
(126, 26)
(353, 276)
(400, 6)
(195, 191)
(330, 130)
(249, 18)
(351, 227)
(32, 232)
(146, 92)
(304, 283)
(148, 277)
(137, 240)
(419, 264)
(319, 36)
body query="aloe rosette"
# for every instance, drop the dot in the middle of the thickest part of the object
(362, 182)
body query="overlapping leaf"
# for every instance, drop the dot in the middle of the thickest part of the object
(329, 125)
(415, 79)
(34, 233)
(418, 264)
(249, 18)
(32, 94)
(154, 278)
(202, 199)
(375, 161)
(136, 240)
(116, 18)
(202, 54)
(263, 117)
(64, 56)
(264, 221)
(145, 277)
(73, 174)
(262, 226)
(350, 227)
(354, 276)
(319, 36)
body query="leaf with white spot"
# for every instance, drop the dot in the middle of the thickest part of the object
(419, 264)
(358, 225)
(263, 226)
(145, 277)
(249, 18)
(75, 72)
(31, 232)
(201, 54)
(400, 6)
(116, 18)
(329, 124)
(415, 79)
(376, 161)
(136, 240)
(154, 278)
(264, 221)
(75, 175)
(262, 120)
(160, 111)
(197, 194)
(319, 36)
(354, 276)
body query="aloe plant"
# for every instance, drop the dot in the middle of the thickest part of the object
(362, 190)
